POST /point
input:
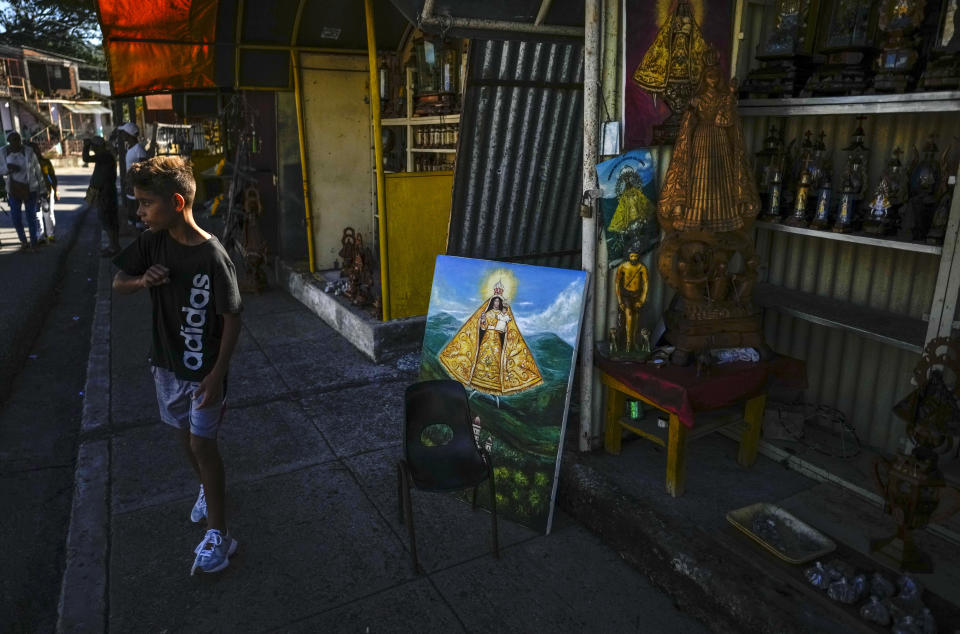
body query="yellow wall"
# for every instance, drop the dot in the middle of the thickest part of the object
(418, 216)
(337, 122)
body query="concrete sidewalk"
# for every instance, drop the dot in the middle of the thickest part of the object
(310, 446)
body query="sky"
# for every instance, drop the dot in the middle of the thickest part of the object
(545, 300)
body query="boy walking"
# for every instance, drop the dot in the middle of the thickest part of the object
(196, 324)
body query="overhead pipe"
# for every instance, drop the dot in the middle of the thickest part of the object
(589, 210)
(427, 18)
(378, 152)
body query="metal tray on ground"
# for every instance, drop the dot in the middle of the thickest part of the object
(785, 536)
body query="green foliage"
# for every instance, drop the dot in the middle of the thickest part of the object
(63, 26)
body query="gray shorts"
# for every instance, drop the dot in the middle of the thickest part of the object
(179, 409)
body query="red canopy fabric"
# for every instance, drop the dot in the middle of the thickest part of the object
(159, 45)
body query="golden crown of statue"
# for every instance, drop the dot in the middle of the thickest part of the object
(498, 289)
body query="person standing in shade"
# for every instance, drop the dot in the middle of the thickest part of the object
(24, 181)
(102, 191)
(47, 219)
(130, 135)
(196, 324)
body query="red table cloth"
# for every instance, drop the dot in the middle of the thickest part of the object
(678, 390)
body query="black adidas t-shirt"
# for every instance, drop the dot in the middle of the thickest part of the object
(187, 321)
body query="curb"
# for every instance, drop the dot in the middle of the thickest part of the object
(685, 562)
(378, 340)
(83, 589)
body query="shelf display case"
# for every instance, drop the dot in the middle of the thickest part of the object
(858, 307)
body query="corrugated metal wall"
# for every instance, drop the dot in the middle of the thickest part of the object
(516, 192)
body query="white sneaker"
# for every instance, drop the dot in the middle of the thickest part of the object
(213, 553)
(199, 510)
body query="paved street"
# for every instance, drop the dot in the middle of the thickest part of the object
(310, 445)
(46, 306)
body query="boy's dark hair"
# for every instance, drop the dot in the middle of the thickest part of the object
(165, 176)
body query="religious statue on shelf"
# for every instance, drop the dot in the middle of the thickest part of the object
(853, 186)
(802, 202)
(898, 25)
(943, 67)
(822, 213)
(912, 483)
(878, 220)
(707, 208)
(631, 285)
(847, 40)
(672, 67)
(924, 176)
(814, 172)
(770, 162)
(786, 52)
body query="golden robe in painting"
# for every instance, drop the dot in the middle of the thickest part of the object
(489, 354)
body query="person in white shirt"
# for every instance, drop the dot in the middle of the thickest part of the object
(130, 135)
(24, 182)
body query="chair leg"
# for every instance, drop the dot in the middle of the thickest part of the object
(493, 516)
(408, 514)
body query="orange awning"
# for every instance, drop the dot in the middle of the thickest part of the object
(156, 46)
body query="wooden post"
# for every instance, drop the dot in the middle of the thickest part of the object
(616, 401)
(677, 457)
(753, 416)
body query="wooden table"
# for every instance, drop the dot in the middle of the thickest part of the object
(678, 433)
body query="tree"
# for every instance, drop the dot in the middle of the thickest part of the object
(69, 27)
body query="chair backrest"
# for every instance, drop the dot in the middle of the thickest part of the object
(448, 466)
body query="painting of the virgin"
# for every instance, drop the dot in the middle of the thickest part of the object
(489, 354)
(509, 333)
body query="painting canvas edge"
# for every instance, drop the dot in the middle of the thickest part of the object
(566, 409)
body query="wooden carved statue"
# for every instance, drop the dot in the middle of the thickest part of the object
(707, 208)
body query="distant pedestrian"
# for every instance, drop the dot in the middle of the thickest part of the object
(102, 191)
(24, 182)
(196, 324)
(48, 199)
(130, 135)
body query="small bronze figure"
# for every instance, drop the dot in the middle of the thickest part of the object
(631, 287)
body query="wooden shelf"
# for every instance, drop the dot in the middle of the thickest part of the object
(859, 238)
(917, 102)
(440, 119)
(893, 329)
(435, 150)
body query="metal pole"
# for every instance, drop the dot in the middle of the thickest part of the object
(301, 134)
(591, 135)
(428, 18)
(542, 13)
(378, 151)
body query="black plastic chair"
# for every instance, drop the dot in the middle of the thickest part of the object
(456, 465)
